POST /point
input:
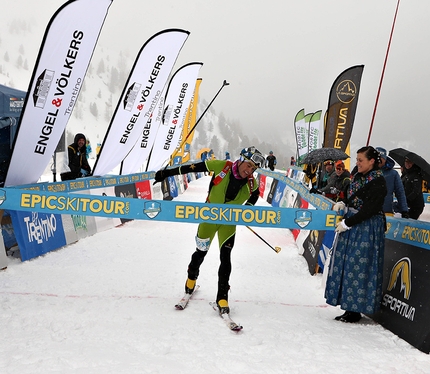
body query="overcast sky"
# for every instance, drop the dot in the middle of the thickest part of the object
(282, 56)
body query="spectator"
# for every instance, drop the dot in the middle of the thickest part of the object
(338, 183)
(292, 161)
(204, 157)
(78, 162)
(413, 183)
(394, 185)
(88, 149)
(227, 156)
(271, 161)
(329, 169)
(356, 267)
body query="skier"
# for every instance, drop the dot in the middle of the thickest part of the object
(271, 161)
(231, 183)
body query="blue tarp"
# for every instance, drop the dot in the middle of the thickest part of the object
(11, 104)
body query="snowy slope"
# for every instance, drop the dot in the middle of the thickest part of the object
(106, 305)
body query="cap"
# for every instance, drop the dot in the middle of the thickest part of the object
(328, 162)
(382, 152)
(340, 164)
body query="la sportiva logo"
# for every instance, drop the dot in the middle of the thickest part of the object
(401, 270)
(346, 91)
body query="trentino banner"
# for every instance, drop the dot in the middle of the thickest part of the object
(178, 97)
(140, 96)
(64, 56)
(315, 133)
(341, 109)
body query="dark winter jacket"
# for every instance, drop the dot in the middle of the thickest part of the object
(337, 186)
(394, 186)
(271, 162)
(78, 158)
(412, 182)
(325, 178)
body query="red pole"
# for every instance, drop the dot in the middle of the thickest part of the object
(382, 75)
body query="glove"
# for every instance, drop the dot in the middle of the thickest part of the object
(334, 190)
(405, 214)
(161, 175)
(84, 172)
(340, 208)
(341, 227)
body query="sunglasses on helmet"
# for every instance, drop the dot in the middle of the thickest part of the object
(250, 155)
(258, 159)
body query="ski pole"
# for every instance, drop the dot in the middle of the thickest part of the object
(225, 83)
(276, 249)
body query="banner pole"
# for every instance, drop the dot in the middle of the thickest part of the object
(225, 83)
(382, 74)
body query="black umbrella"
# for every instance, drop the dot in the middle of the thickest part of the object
(322, 154)
(399, 155)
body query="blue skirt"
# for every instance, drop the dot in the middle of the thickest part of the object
(355, 282)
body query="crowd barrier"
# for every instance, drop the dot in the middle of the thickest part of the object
(31, 234)
(405, 305)
(406, 268)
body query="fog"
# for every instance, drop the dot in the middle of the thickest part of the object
(280, 57)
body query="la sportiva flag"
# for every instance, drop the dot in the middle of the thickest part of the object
(61, 65)
(183, 151)
(341, 109)
(140, 96)
(178, 96)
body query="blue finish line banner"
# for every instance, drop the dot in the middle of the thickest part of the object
(163, 210)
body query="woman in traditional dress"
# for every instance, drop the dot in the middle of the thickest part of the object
(355, 273)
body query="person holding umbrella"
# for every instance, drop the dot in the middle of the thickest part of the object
(329, 170)
(414, 170)
(338, 183)
(355, 273)
(412, 181)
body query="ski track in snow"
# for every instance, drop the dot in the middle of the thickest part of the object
(106, 305)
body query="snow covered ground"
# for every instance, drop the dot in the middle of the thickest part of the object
(106, 305)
